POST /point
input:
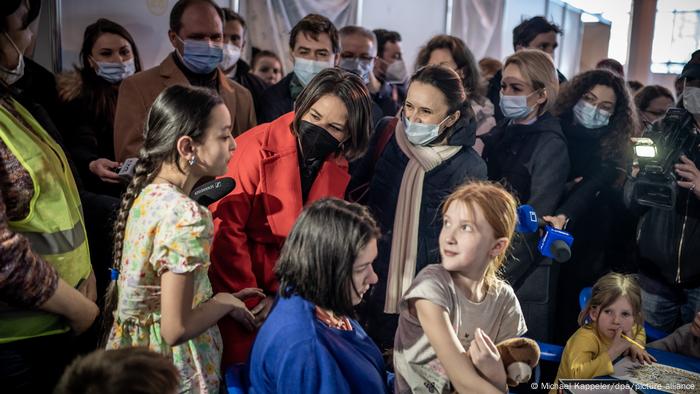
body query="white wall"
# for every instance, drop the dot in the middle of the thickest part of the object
(147, 21)
(416, 20)
(567, 55)
(515, 12)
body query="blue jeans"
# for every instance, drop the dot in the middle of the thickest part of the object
(667, 312)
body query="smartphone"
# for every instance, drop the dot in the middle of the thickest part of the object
(126, 170)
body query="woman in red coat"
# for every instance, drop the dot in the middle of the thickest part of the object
(279, 167)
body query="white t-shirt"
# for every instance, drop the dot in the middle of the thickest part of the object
(417, 367)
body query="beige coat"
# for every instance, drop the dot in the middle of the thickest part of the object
(138, 92)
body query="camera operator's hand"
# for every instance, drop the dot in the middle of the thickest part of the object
(690, 174)
(104, 168)
(558, 222)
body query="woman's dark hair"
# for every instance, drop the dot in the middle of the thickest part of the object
(317, 258)
(100, 95)
(648, 93)
(350, 89)
(445, 80)
(178, 111)
(623, 121)
(463, 57)
(120, 371)
(313, 25)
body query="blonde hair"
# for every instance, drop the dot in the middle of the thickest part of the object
(538, 69)
(499, 207)
(607, 290)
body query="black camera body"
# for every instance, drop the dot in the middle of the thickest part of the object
(674, 136)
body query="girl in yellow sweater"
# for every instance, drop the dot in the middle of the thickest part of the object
(612, 313)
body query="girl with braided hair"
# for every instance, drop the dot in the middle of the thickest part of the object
(162, 298)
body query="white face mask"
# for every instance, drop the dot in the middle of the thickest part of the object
(396, 72)
(691, 99)
(12, 76)
(515, 107)
(306, 69)
(590, 116)
(231, 55)
(422, 133)
(115, 72)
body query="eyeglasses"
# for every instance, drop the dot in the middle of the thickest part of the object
(363, 59)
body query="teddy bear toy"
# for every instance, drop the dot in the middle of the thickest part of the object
(519, 356)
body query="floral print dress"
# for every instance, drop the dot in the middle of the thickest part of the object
(166, 231)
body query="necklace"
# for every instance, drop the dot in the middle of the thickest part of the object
(340, 323)
(167, 181)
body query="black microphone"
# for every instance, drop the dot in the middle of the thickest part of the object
(213, 191)
(560, 250)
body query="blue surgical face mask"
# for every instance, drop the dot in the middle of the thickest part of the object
(115, 72)
(515, 107)
(306, 69)
(200, 57)
(357, 66)
(590, 116)
(421, 133)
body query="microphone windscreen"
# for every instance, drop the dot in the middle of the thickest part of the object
(213, 191)
(561, 252)
(527, 219)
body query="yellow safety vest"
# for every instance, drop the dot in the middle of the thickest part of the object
(54, 225)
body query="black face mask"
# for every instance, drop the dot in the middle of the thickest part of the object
(316, 143)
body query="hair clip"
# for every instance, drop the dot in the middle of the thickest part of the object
(114, 274)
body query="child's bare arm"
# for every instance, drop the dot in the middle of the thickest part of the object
(179, 321)
(460, 370)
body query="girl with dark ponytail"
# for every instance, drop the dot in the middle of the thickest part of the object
(160, 296)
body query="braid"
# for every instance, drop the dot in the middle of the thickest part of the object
(145, 170)
(178, 111)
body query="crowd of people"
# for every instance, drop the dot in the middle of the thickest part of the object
(369, 243)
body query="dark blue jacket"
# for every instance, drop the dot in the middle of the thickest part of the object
(294, 352)
(276, 100)
(533, 161)
(383, 194)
